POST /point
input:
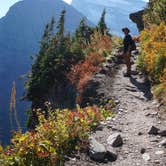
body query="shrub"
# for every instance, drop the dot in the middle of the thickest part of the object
(153, 58)
(61, 133)
(97, 50)
(155, 12)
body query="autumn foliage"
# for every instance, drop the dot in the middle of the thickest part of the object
(153, 58)
(55, 137)
(97, 50)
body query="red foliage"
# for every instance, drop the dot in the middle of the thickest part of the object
(81, 73)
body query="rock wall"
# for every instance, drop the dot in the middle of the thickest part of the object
(138, 19)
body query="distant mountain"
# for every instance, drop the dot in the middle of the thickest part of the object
(117, 12)
(20, 33)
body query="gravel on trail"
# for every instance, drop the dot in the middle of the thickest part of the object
(137, 112)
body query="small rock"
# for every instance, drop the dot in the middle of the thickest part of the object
(159, 152)
(153, 130)
(117, 101)
(162, 133)
(104, 70)
(120, 110)
(146, 156)
(143, 150)
(126, 152)
(99, 128)
(154, 140)
(115, 140)
(157, 162)
(97, 151)
(111, 154)
(163, 143)
(103, 123)
(140, 133)
(152, 114)
(115, 129)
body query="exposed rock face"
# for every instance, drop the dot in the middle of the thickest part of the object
(138, 19)
(115, 140)
(97, 151)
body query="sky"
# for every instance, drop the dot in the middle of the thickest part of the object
(5, 5)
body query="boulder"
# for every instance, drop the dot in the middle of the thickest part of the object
(111, 154)
(137, 18)
(162, 133)
(153, 130)
(115, 140)
(97, 151)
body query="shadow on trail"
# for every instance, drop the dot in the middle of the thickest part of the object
(144, 87)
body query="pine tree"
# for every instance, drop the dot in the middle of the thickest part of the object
(61, 24)
(49, 66)
(102, 27)
(83, 33)
(34, 78)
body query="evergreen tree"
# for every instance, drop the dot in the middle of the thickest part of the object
(61, 24)
(102, 27)
(50, 65)
(33, 82)
(83, 33)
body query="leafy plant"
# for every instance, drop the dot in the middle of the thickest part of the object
(55, 137)
(155, 12)
(153, 58)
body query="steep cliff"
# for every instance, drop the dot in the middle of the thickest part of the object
(137, 18)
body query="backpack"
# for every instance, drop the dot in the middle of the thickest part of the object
(133, 45)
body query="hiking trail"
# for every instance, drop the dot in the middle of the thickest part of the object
(137, 112)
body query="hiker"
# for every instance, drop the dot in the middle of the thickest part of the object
(128, 47)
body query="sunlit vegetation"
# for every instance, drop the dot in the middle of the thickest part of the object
(62, 59)
(153, 43)
(155, 12)
(57, 136)
(99, 48)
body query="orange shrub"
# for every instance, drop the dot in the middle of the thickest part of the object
(153, 58)
(101, 44)
(81, 73)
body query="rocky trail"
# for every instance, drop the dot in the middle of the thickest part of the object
(136, 136)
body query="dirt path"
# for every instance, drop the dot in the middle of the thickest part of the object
(137, 112)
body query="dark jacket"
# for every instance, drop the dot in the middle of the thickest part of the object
(127, 41)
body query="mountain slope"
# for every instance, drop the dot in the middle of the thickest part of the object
(117, 12)
(20, 33)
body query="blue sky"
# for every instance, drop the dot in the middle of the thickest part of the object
(5, 5)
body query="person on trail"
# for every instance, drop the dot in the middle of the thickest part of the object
(127, 42)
